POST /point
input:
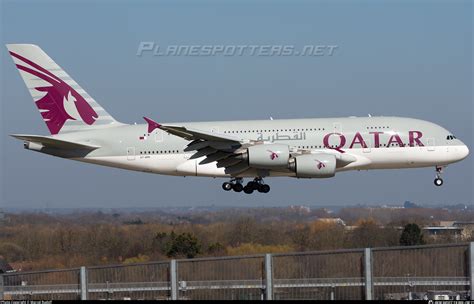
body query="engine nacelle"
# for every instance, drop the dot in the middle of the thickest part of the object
(313, 165)
(32, 146)
(268, 156)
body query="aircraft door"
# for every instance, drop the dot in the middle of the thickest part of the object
(131, 153)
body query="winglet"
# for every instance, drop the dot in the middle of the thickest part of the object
(152, 125)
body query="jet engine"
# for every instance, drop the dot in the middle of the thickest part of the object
(313, 165)
(269, 156)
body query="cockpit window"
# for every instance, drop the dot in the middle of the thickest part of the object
(451, 137)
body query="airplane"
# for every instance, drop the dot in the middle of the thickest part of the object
(80, 129)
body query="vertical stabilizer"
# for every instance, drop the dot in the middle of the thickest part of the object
(63, 104)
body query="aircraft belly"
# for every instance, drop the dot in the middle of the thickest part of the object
(160, 164)
(399, 158)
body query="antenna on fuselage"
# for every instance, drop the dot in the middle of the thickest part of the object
(271, 118)
(370, 115)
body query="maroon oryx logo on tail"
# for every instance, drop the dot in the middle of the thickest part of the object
(273, 155)
(320, 164)
(61, 102)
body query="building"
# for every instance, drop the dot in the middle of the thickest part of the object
(467, 229)
(462, 230)
(443, 231)
(300, 209)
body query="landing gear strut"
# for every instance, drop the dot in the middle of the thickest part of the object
(438, 180)
(236, 185)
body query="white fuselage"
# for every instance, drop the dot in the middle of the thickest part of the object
(375, 142)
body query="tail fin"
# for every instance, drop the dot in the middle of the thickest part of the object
(63, 104)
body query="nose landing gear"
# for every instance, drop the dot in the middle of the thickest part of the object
(236, 185)
(438, 180)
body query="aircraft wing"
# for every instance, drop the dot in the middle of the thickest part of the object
(225, 149)
(51, 142)
(216, 147)
(190, 133)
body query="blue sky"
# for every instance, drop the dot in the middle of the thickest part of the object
(403, 58)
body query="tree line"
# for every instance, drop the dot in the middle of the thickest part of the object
(40, 241)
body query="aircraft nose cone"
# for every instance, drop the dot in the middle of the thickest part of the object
(463, 151)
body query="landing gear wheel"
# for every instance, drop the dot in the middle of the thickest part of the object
(253, 184)
(264, 188)
(438, 180)
(227, 186)
(248, 189)
(238, 187)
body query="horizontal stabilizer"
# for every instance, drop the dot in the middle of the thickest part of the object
(51, 142)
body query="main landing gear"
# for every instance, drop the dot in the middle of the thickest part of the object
(438, 180)
(236, 185)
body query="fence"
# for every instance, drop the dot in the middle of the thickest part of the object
(377, 273)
